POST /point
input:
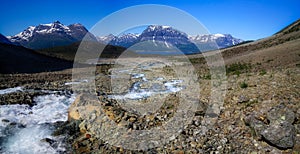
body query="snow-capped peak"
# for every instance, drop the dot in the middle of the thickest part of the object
(162, 30)
(219, 35)
(169, 36)
(52, 27)
(40, 29)
(130, 35)
(106, 39)
(164, 27)
(25, 35)
(222, 40)
(55, 32)
(158, 27)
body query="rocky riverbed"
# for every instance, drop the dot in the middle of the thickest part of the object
(260, 113)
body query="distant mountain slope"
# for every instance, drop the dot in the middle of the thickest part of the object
(280, 50)
(222, 40)
(170, 38)
(3, 39)
(153, 38)
(17, 59)
(51, 35)
(68, 52)
(157, 37)
(295, 26)
(289, 33)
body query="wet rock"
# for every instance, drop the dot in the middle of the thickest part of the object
(48, 140)
(5, 120)
(69, 129)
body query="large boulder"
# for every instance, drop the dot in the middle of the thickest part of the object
(276, 128)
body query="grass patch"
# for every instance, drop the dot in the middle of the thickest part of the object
(198, 60)
(169, 70)
(243, 85)
(238, 68)
(263, 72)
(206, 77)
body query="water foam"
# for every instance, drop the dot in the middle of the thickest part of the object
(76, 82)
(36, 124)
(161, 86)
(10, 90)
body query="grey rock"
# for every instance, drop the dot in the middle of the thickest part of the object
(277, 128)
(243, 99)
(280, 135)
(255, 124)
(281, 113)
(297, 128)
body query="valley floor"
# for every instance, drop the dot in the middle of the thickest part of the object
(256, 101)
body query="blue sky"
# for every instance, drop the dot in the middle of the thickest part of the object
(243, 19)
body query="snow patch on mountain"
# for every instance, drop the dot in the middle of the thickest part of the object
(51, 34)
(222, 40)
(170, 37)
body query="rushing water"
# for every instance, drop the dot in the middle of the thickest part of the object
(155, 86)
(143, 86)
(28, 129)
(10, 90)
(24, 129)
(76, 82)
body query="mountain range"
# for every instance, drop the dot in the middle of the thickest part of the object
(167, 37)
(158, 37)
(16, 58)
(51, 35)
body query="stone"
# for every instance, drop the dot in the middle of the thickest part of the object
(242, 99)
(280, 135)
(73, 113)
(48, 140)
(256, 125)
(5, 120)
(88, 136)
(281, 113)
(297, 128)
(276, 128)
(132, 119)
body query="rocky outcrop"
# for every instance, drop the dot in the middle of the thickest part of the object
(276, 128)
